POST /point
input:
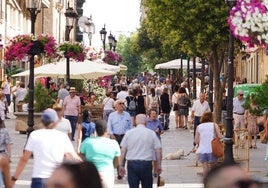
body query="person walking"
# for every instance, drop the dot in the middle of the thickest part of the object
(119, 122)
(102, 151)
(62, 93)
(139, 146)
(251, 124)
(131, 103)
(154, 124)
(183, 107)
(108, 105)
(153, 101)
(165, 108)
(63, 124)
(5, 140)
(72, 109)
(174, 100)
(141, 103)
(239, 118)
(49, 148)
(86, 129)
(200, 106)
(205, 132)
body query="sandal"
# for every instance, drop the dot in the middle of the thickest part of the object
(255, 147)
(250, 147)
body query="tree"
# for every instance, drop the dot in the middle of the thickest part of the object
(194, 27)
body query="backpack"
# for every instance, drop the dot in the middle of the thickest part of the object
(154, 103)
(132, 104)
(88, 129)
(183, 101)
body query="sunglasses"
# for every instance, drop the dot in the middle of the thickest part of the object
(121, 103)
(241, 94)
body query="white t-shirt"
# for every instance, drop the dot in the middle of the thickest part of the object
(122, 95)
(48, 147)
(108, 103)
(64, 125)
(206, 131)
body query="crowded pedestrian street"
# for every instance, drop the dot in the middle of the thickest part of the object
(180, 173)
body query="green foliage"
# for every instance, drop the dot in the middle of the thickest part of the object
(259, 99)
(43, 98)
(10, 70)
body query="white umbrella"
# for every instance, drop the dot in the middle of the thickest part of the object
(78, 70)
(176, 64)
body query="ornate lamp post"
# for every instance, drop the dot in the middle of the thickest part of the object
(34, 7)
(103, 33)
(112, 42)
(71, 16)
(228, 153)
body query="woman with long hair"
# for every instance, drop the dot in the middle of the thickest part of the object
(205, 132)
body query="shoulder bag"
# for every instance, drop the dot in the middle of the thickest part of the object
(217, 145)
(263, 137)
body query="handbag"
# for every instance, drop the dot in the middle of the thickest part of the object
(217, 145)
(263, 137)
(175, 107)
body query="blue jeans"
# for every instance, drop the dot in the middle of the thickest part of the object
(38, 182)
(140, 171)
(73, 120)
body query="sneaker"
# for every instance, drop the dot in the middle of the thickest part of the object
(119, 177)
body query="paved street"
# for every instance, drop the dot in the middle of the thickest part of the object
(177, 173)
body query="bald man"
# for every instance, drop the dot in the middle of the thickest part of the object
(229, 176)
(139, 146)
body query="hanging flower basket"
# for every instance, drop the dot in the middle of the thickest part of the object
(73, 50)
(112, 57)
(248, 21)
(93, 53)
(20, 45)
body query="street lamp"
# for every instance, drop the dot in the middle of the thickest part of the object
(103, 33)
(34, 7)
(228, 152)
(112, 42)
(71, 16)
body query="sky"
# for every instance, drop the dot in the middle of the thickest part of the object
(119, 17)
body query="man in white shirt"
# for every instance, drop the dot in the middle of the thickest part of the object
(122, 94)
(63, 124)
(239, 118)
(200, 106)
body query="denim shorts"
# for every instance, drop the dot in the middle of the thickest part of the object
(132, 113)
(207, 157)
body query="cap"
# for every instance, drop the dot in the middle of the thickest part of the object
(240, 92)
(72, 90)
(49, 116)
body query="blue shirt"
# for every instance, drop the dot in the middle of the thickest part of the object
(119, 123)
(153, 125)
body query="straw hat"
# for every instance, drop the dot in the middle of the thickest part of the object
(72, 90)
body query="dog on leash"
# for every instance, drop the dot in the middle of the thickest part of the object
(175, 156)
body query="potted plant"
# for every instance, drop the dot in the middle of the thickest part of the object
(73, 50)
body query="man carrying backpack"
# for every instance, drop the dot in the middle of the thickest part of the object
(131, 105)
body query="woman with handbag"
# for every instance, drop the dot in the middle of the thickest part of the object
(205, 133)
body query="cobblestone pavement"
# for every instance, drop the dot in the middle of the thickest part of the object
(177, 173)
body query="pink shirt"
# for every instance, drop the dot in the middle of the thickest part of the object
(71, 105)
